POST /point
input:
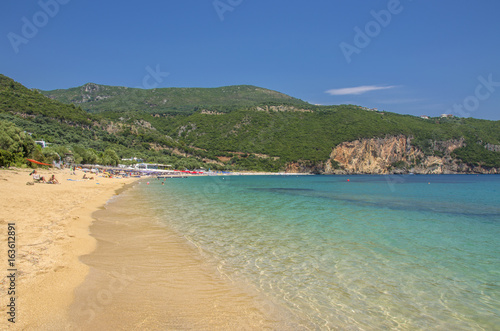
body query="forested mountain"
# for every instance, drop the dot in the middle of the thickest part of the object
(246, 127)
(96, 98)
(30, 116)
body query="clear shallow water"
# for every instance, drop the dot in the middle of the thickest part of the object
(377, 252)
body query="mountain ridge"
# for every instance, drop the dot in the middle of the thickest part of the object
(263, 136)
(97, 98)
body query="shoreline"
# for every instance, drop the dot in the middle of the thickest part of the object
(98, 257)
(145, 275)
(81, 258)
(51, 234)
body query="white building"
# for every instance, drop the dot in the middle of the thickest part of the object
(41, 143)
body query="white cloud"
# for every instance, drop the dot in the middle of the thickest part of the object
(357, 89)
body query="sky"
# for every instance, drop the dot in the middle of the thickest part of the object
(406, 56)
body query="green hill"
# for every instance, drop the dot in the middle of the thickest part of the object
(310, 136)
(98, 98)
(236, 127)
(16, 98)
(66, 127)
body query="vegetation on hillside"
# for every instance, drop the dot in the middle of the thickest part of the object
(90, 138)
(311, 136)
(15, 144)
(236, 127)
(96, 98)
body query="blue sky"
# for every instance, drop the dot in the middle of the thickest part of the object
(408, 56)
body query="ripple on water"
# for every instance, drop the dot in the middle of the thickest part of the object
(362, 255)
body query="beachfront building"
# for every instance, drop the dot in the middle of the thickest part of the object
(135, 159)
(152, 166)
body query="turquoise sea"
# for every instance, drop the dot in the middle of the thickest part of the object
(358, 252)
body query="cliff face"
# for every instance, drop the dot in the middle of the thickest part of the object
(397, 155)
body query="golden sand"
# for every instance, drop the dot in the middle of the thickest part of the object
(144, 276)
(84, 267)
(52, 231)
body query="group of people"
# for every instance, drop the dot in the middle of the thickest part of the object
(40, 179)
(37, 178)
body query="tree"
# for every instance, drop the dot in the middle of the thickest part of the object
(14, 140)
(109, 157)
(50, 155)
(6, 158)
(90, 156)
(188, 163)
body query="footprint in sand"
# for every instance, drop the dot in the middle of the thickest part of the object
(56, 269)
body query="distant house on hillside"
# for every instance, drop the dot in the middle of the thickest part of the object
(41, 143)
(425, 117)
(369, 109)
(446, 116)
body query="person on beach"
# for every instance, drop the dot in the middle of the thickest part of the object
(53, 180)
(36, 177)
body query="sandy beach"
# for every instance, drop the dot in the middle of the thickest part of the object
(146, 276)
(80, 266)
(51, 224)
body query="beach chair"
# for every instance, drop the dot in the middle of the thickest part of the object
(38, 179)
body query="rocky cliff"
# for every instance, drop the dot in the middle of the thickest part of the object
(397, 154)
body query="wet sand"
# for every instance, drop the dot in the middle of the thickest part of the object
(145, 276)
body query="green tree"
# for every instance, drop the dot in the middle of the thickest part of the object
(109, 157)
(6, 158)
(50, 154)
(90, 156)
(14, 140)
